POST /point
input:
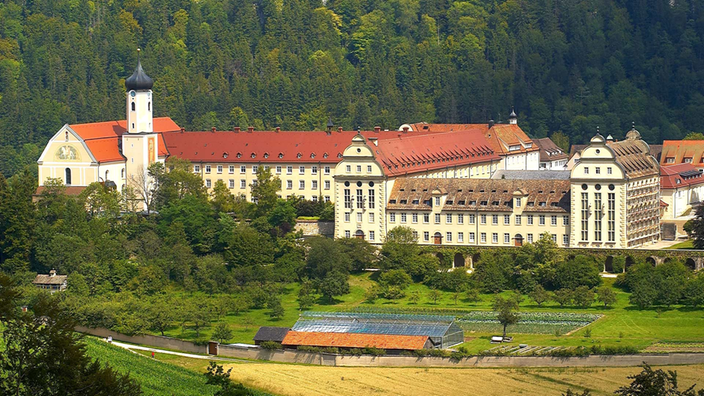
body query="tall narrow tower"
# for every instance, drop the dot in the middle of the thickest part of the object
(140, 145)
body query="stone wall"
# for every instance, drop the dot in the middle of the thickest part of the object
(155, 341)
(315, 227)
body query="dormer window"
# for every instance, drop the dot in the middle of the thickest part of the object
(518, 202)
(688, 160)
(437, 201)
(514, 148)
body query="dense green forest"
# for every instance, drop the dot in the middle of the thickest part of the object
(566, 66)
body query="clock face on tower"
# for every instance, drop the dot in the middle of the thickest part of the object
(133, 93)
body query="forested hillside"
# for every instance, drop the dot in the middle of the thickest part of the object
(566, 66)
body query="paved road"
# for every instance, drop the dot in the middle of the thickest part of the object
(130, 347)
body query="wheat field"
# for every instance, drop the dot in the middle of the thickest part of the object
(299, 380)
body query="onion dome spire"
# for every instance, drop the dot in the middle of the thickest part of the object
(139, 80)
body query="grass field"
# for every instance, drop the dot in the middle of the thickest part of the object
(683, 245)
(302, 380)
(620, 325)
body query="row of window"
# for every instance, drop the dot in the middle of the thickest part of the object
(371, 236)
(289, 184)
(483, 218)
(597, 170)
(348, 169)
(255, 169)
(483, 237)
(348, 215)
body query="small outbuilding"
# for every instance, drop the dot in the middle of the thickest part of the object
(51, 282)
(270, 333)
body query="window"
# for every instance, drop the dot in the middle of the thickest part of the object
(471, 219)
(609, 170)
(219, 168)
(392, 217)
(243, 183)
(122, 173)
(208, 183)
(196, 168)
(289, 184)
(347, 234)
(371, 217)
(553, 220)
(507, 219)
(232, 183)
(482, 219)
(518, 202)
(426, 236)
(460, 237)
(207, 169)
(471, 237)
(360, 199)
(541, 220)
(482, 237)
(448, 237)
(314, 184)
(437, 218)
(326, 184)
(437, 201)
(289, 170)
(359, 217)
(611, 219)
(460, 218)
(414, 218)
(586, 170)
(327, 170)
(372, 202)
(315, 198)
(403, 218)
(254, 184)
(243, 169)
(565, 220)
(278, 169)
(371, 235)
(518, 219)
(597, 170)
(426, 218)
(327, 198)
(529, 238)
(554, 238)
(494, 219)
(255, 168)
(314, 170)
(565, 239)
(448, 219)
(301, 184)
(494, 237)
(597, 217)
(359, 168)
(67, 176)
(347, 217)
(507, 238)
(301, 170)
(530, 219)
(231, 169)
(133, 106)
(585, 216)
(348, 199)
(369, 169)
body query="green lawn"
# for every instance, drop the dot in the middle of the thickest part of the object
(620, 325)
(688, 244)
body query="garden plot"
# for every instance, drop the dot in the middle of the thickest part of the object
(526, 350)
(530, 322)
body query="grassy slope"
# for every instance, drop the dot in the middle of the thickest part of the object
(157, 378)
(621, 325)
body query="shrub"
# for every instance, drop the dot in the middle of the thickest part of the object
(270, 345)
(583, 297)
(393, 293)
(395, 277)
(374, 351)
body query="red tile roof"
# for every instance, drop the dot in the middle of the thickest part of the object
(680, 175)
(397, 152)
(549, 151)
(102, 138)
(68, 190)
(354, 340)
(500, 137)
(676, 151)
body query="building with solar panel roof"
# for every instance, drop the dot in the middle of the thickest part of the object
(442, 331)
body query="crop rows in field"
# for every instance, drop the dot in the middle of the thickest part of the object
(529, 323)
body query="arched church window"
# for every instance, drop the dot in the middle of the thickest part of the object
(122, 173)
(66, 136)
(149, 106)
(106, 175)
(133, 106)
(67, 179)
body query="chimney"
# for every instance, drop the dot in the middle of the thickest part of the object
(377, 129)
(250, 129)
(52, 273)
(237, 129)
(212, 129)
(491, 123)
(339, 129)
(405, 129)
(277, 130)
(183, 130)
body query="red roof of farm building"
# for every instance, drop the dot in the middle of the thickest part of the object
(102, 138)
(354, 340)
